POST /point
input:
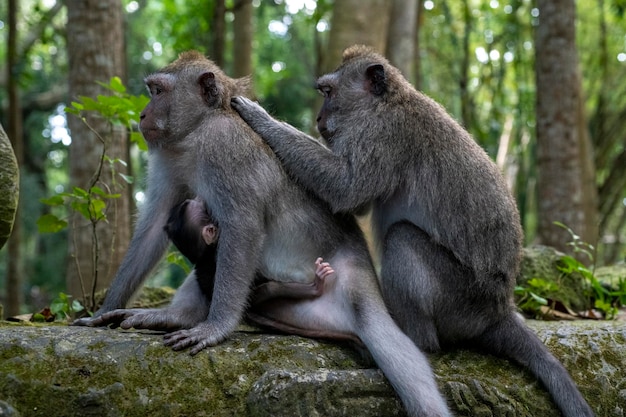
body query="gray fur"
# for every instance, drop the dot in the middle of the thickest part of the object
(447, 229)
(268, 225)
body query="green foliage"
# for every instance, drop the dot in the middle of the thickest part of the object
(91, 204)
(121, 108)
(175, 258)
(534, 295)
(605, 299)
(537, 292)
(64, 307)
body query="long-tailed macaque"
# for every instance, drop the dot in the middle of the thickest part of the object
(268, 226)
(446, 227)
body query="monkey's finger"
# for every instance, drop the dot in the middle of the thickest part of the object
(328, 273)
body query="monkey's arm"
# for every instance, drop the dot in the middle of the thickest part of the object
(347, 179)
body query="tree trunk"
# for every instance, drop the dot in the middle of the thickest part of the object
(15, 132)
(417, 65)
(218, 29)
(356, 22)
(96, 53)
(563, 147)
(401, 40)
(242, 39)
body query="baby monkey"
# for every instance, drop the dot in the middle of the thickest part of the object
(193, 231)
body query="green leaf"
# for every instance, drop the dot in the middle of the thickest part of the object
(89, 103)
(81, 207)
(128, 178)
(137, 137)
(538, 299)
(49, 223)
(115, 84)
(53, 201)
(99, 191)
(97, 209)
(77, 306)
(80, 193)
(176, 258)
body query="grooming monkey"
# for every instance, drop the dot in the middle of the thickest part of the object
(446, 227)
(268, 226)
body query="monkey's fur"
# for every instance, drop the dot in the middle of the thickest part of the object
(446, 227)
(198, 146)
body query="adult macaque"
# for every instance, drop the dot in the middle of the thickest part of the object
(268, 226)
(446, 227)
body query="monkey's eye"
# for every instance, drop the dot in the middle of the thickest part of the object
(324, 90)
(154, 89)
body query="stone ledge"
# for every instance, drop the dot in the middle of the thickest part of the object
(73, 371)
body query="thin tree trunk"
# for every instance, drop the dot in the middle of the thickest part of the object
(466, 105)
(417, 65)
(218, 30)
(96, 53)
(15, 132)
(401, 38)
(562, 149)
(242, 39)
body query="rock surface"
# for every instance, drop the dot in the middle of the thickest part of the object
(74, 371)
(9, 187)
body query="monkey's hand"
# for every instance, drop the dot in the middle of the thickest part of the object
(252, 113)
(202, 336)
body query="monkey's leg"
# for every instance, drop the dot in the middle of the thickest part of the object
(279, 289)
(409, 285)
(292, 317)
(188, 308)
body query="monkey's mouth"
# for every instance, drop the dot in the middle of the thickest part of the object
(151, 135)
(326, 134)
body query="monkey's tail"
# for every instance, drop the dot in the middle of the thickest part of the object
(512, 339)
(404, 365)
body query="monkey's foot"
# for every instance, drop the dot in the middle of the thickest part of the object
(202, 336)
(86, 321)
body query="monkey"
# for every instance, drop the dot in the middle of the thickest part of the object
(446, 228)
(198, 147)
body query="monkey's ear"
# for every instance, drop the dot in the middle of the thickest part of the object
(209, 87)
(376, 79)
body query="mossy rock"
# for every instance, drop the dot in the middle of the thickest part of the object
(9, 187)
(541, 262)
(56, 370)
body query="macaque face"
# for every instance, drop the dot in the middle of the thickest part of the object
(154, 118)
